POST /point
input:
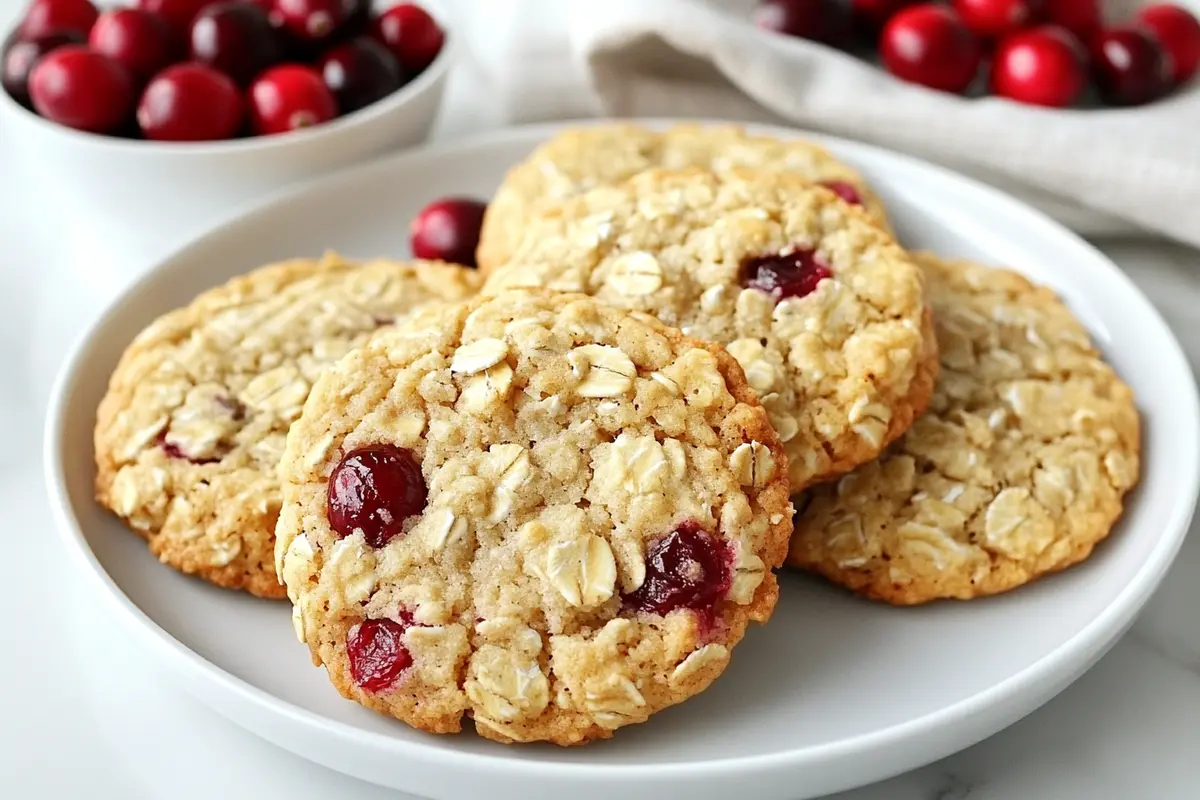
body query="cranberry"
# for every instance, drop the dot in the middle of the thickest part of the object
(844, 190)
(411, 34)
(871, 15)
(376, 654)
(375, 489)
(81, 89)
(688, 568)
(190, 103)
(819, 20)
(357, 22)
(1083, 18)
(1043, 66)
(1178, 31)
(1130, 66)
(290, 97)
(359, 73)
(448, 230)
(19, 56)
(236, 39)
(995, 18)
(793, 274)
(45, 17)
(310, 20)
(135, 38)
(929, 44)
(178, 14)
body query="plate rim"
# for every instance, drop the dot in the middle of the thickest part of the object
(1084, 646)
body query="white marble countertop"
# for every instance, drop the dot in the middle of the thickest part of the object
(81, 716)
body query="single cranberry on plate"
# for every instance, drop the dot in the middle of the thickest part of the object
(236, 39)
(1042, 66)
(819, 20)
(1130, 66)
(448, 230)
(310, 21)
(1084, 18)
(138, 39)
(360, 72)
(178, 14)
(46, 17)
(18, 57)
(995, 18)
(688, 568)
(375, 489)
(82, 89)
(930, 45)
(411, 34)
(191, 103)
(290, 97)
(792, 274)
(1178, 31)
(844, 190)
(376, 653)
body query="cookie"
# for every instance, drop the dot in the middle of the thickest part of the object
(533, 510)
(824, 311)
(1018, 468)
(189, 435)
(577, 160)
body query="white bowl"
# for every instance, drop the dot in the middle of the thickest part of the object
(834, 692)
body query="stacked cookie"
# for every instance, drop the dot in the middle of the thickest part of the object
(550, 495)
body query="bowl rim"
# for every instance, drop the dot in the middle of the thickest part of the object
(1057, 668)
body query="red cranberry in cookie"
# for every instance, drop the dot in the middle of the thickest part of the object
(688, 568)
(375, 489)
(376, 654)
(793, 274)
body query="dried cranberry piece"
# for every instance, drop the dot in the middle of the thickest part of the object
(376, 654)
(375, 489)
(791, 274)
(688, 568)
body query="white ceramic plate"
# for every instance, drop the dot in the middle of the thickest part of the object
(833, 693)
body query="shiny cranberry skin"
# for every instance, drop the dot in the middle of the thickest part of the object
(819, 20)
(1084, 18)
(191, 103)
(237, 39)
(45, 17)
(688, 568)
(81, 89)
(310, 21)
(929, 45)
(376, 654)
(178, 14)
(448, 230)
(1042, 66)
(411, 34)
(794, 274)
(19, 56)
(359, 73)
(995, 18)
(135, 38)
(844, 190)
(289, 97)
(1130, 66)
(375, 489)
(1178, 31)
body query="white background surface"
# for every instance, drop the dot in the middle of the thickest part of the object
(80, 716)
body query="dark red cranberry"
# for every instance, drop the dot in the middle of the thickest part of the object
(793, 274)
(376, 654)
(688, 568)
(375, 489)
(844, 190)
(411, 34)
(135, 38)
(191, 103)
(929, 45)
(175, 451)
(1084, 18)
(289, 97)
(819, 20)
(359, 73)
(19, 56)
(869, 16)
(1130, 66)
(310, 21)
(46, 17)
(448, 230)
(357, 22)
(994, 18)
(1178, 31)
(1043, 66)
(81, 89)
(235, 38)
(178, 14)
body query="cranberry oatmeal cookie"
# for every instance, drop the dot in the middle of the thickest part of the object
(189, 435)
(1017, 469)
(577, 160)
(823, 310)
(534, 510)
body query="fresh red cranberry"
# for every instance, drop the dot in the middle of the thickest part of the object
(178, 14)
(688, 568)
(81, 89)
(18, 57)
(1130, 66)
(448, 230)
(794, 274)
(290, 97)
(236, 38)
(360, 72)
(310, 21)
(995, 18)
(1084, 18)
(1178, 31)
(191, 103)
(46, 17)
(413, 36)
(929, 44)
(844, 190)
(376, 654)
(870, 16)
(819, 20)
(135, 38)
(1043, 66)
(375, 489)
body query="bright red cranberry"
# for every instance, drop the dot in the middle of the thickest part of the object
(290, 97)
(19, 56)
(45, 17)
(995, 18)
(819, 20)
(81, 89)
(1084, 18)
(191, 103)
(844, 190)
(794, 274)
(178, 14)
(310, 21)
(360, 72)
(413, 36)
(135, 38)
(376, 654)
(1043, 66)
(870, 16)
(448, 230)
(688, 568)
(1178, 31)
(375, 489)
(929, 44)
(236, 38)
(1130, 66)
